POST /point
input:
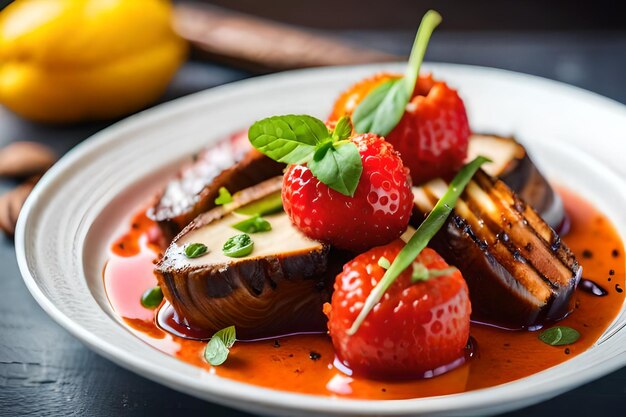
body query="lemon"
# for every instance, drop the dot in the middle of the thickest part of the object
(75, 60)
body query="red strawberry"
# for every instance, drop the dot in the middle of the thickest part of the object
(415, 328)
(433, 134)
(378, 212)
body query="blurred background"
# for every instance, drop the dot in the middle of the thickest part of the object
(47, 106)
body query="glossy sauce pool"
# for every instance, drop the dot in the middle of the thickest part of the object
(306, 363)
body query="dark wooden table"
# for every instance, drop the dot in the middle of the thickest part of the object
(45, 371)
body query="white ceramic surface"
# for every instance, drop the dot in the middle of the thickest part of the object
(576, 137)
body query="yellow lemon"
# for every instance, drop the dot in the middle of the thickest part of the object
(73, 60)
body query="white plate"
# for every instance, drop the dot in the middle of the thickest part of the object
(77, 209)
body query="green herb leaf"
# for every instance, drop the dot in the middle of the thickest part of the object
(321, 149)
(422, 273)
(559, 336)
(218, 348)
(238, 246)
(381, 110)
(291, 139)
(366, 115)
(254, 224)
(424, 233)
(343, 129)
(152, 297)
(384, 262)
(224, 197)
(304, 139)
(195, 250)
(267, 205)
(340, 168)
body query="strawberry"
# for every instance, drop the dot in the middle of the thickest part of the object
(377, 213)
(415, 330)
(432, 135)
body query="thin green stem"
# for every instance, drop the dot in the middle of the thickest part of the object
(429, 22)
(424, 233)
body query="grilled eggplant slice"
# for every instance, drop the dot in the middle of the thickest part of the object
(279, 288)
(232, 163)
(512, 164)
(518, 271)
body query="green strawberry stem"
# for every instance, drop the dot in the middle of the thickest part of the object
(429, 22)
(424, 233)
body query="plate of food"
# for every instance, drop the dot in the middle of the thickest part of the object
(388, 239)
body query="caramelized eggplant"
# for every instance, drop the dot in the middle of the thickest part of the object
(512, 164)
(232, 163)
(518, 271)
(279, 288)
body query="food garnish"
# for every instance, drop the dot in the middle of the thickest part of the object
(254, 224)
(299, 139)
(218, 348)
(224, 197)
(415, 331)
(195, 250)
(424, 119)
(422, 273)
(424, 233)
(268, 205)
(238, 246)
(381, 110)
(559, 336)
(384, 263)
(152, 297)
(375, 210)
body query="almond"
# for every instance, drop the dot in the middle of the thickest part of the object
(23, 159)
(11, 203)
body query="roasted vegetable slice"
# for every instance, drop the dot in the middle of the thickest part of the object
(278, 288)
(232, 164)
(511, 163)
(518, 271)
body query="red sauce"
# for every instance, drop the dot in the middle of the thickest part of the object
(306, 363)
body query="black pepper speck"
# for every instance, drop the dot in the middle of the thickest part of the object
(611, 272)
(615, 253)
(276, 343)
(314, 356)
(618, 288)
(587, 254)
(567, 351)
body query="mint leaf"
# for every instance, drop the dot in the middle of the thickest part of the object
(218, 348)
(559, 336)
(238, 246)
(343, 129)
(224, 197)
(382, 109)
(195, 250)
(290, 139)
(266, 205)
(152, 297)
(367, 110)
(299, 139)
(340, 168)
(254, 224)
